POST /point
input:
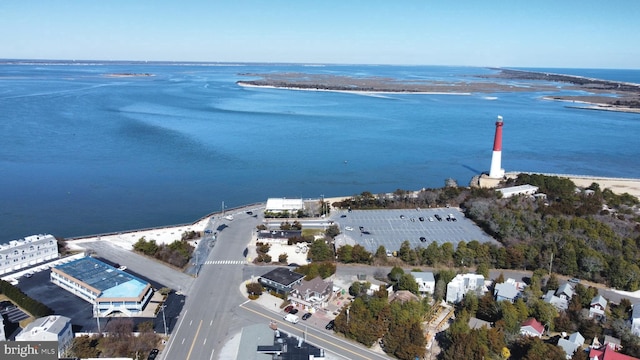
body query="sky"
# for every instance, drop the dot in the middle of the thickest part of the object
(541, 33)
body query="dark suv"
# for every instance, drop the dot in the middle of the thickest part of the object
(330, 325)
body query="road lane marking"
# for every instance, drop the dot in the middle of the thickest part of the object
(211, 323)
(183, 339)
(205, 341)
(310, 335)
(190, 322)
(171, 338)
(195, 337)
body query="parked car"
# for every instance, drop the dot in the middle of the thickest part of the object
(423, 239)
(574, 280)
(288, 309)
(153, 354)
(438, 217)
(291, 318)
(430, 218)
(306, 316)
(293, 311)
(330, 325)
(401, 216)
(421, 218)
(348, 228)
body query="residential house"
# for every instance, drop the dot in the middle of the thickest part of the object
(426, 282)
(462, 284)
(608, 351)
(635, 319)
(505, 291)
(50, 328)
(281, 280)
(561, 304)
(565, 291)
(612, 342)
(314, 293)
(531, 327)
(597, 307)
(575, 342)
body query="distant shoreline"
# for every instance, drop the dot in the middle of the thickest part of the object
(329, 89)
(604, 95)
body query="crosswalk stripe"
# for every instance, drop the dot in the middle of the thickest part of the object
(225, 262)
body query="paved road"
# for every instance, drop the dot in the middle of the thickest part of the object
(211, 313)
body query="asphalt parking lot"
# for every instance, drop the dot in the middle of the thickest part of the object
(389, 228)
(80, 312)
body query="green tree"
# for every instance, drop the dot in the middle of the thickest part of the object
(332, 231)
(320, 251)
(395, 274)
(408, 282)
(381, 253)
(344, 254)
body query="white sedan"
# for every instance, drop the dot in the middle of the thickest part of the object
(349, 228)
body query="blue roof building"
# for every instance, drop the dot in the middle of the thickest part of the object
(107, 288)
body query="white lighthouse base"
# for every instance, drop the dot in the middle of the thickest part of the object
(496, 172)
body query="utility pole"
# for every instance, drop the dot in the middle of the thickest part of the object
(97, 313)
(550, 263)
(164, 320)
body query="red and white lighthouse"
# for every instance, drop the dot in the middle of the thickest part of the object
(496, 171)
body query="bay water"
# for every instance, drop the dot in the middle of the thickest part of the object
(83, 153)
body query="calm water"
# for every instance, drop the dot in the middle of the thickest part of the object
(81, 153)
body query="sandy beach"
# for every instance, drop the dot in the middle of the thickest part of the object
(617, 185)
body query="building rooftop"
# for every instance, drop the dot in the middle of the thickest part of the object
(283, 276)
(424, 276)
(111, 282)
(53, 324)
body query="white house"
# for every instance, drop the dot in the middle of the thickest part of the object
(314, 293)
(635, 319)
(532, 327)
(506, 291)
(50, 328)
(560, 303)
(565, 291)
(426, 282)
(597, 307)
(463, 283)
(23, 253)
(575, 341)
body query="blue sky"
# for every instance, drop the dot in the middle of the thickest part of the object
(584, 34)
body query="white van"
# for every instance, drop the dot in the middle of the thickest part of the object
(292, 318)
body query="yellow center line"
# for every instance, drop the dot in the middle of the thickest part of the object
(308, 334)
(194, 340)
